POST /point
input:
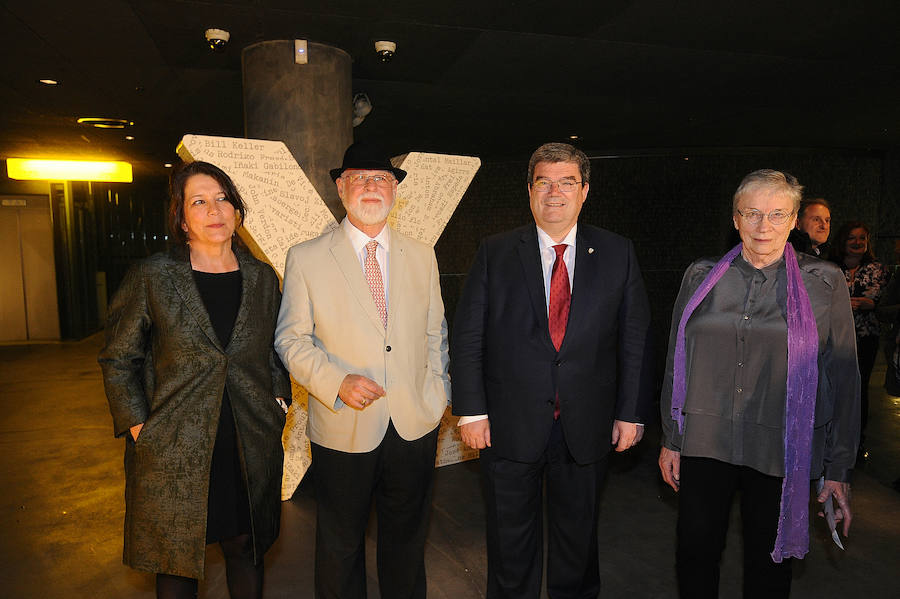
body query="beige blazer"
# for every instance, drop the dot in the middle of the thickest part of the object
(329, 327)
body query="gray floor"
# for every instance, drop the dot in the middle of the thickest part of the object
(61, 507)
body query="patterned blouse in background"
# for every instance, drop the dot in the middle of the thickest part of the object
(869, 281)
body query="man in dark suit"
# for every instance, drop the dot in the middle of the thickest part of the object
(550, 367)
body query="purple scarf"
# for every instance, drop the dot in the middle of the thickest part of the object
(799, 409)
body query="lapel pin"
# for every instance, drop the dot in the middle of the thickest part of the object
(590, 250)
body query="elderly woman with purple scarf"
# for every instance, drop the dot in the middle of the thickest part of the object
(761, 395)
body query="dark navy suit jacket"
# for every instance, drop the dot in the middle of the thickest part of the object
(503, 362)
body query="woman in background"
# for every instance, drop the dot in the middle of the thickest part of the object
(195, 387)
(866, 280)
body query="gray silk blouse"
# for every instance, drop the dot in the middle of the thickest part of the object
(736, 368)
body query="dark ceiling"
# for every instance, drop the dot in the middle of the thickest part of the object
(480, 77)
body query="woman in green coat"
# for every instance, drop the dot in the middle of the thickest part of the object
(197, 390)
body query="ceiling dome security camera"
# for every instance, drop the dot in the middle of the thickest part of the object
(217, 39)
(385, 49)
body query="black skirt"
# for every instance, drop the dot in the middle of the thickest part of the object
(228, 513)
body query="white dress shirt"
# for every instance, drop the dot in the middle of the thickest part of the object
(358, 240)
(548, 258)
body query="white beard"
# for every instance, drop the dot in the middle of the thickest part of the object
(370, 214)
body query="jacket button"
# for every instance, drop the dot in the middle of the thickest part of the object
(557, 362)
(388, 348)
(550, 402)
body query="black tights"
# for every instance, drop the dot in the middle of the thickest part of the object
(169, 586)
(245, 579)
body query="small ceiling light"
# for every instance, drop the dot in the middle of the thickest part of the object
(573, 137)
(104, 122)
(385, 49)
(217, 39)
(129, 138)
(301, 52)
(68, 170)
(49, 81)
(168, 165)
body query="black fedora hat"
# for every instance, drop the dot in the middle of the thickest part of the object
(367, 156)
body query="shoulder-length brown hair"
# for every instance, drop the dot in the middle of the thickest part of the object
(177, 181)
(839, 247)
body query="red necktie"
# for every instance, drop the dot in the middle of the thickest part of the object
(560, 297)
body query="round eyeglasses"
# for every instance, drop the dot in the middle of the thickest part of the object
(754, 217)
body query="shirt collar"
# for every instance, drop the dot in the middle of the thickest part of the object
(767, 271)
(546, 242)
(358, 239)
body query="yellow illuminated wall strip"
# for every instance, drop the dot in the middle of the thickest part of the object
(68, 170)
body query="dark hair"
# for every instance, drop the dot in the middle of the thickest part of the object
(560, 152)
(178, 180)
(839, 247)
(812, 202)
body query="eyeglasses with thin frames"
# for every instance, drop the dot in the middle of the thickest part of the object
(754, 217)
(359, 180)
(564, 185)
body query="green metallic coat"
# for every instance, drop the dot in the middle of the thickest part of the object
(163, 365)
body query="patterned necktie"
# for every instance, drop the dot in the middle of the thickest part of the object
(560, 297)
(376, 285)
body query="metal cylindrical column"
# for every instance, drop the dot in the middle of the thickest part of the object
(307, 106)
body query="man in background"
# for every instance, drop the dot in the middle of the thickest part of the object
(813, 224)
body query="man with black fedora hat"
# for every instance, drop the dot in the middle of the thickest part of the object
(362, 327)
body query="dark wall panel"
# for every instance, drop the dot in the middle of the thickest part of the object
(676, 208)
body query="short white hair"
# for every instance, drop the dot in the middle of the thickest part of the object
(773, 180)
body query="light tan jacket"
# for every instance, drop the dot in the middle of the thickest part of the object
(329, 327)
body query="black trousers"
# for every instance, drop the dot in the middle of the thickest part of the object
(398, 474)
(866, 352)
(243, 577)
(704, 503)
(513, 492)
